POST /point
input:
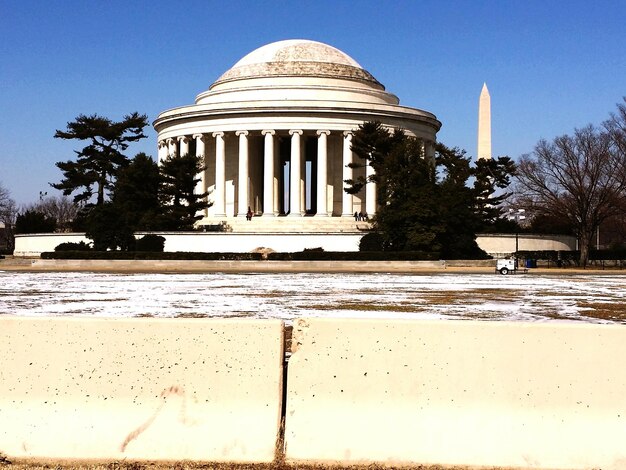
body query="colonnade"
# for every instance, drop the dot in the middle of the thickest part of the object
(181, 146)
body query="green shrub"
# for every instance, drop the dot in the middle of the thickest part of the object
(372, 241)
(614, 254)
(71, 246)
(146, 255)
(150, 242)
(354, 256)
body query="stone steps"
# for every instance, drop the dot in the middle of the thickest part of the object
(286, 225)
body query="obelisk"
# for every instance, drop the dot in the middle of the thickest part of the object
(484, 124)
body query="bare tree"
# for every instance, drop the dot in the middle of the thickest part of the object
(8, 212)
(62, 209)
(580, 178)
(616, 127)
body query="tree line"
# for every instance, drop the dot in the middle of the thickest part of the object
(113, 195)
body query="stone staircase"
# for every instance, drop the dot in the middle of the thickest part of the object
(307, 224)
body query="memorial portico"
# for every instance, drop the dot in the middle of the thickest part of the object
(275, 133)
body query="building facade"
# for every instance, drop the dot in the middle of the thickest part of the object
(275, 132)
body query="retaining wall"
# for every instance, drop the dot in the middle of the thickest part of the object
(190, 266)
(35, 244)
(505, 244)
(464, 393)
(495, 244)
(147, 389)
(28, 245)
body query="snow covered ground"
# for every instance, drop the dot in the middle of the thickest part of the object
(591, 298)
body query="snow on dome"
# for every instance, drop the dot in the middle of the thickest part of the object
(297, 50)
(298, 58)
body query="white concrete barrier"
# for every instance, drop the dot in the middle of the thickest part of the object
(111, 389)
(457, 393)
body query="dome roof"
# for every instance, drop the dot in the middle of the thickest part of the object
(297, 58)
(297, 50)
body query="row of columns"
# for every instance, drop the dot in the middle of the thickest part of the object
(170, 147)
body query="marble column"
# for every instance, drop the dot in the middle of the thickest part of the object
(242, 204)
(346, 205)
(322, 173)
(295, 165)
(172, 150)
(162, 155)
(268, 174)
(184, 145)
(219, 195)
(201, 153)
(370, 191)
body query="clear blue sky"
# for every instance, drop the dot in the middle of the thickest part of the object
(550, 65)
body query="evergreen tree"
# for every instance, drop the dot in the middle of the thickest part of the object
(136, 193)
(405, 186)
(425, 204)
(465, 208)
(456, 203)
(33, 221)
(490, 176)
(180, 205)
(97, 164)
(134, 206)
(108, 228)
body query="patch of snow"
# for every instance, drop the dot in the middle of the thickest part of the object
(286, 296)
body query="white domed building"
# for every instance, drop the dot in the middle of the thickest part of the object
(275, 133)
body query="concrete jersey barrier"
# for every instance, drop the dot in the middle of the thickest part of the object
(467, 393)
(450, 393)
(140, 389)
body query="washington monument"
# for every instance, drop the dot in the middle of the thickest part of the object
(484, 124)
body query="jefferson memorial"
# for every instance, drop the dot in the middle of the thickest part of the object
(275, 134)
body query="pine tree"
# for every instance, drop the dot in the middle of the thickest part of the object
(180, 204)
(427, 204)
(97, 164)
(136, 193)
(405, 182)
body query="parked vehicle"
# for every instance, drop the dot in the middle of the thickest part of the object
(509, 266)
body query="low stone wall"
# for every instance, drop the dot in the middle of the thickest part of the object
(32, 245)
(495, 244)
(504, 244)
(144, 389)
(35, 244)
(412, 392)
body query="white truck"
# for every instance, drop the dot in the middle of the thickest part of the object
(508, 265)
